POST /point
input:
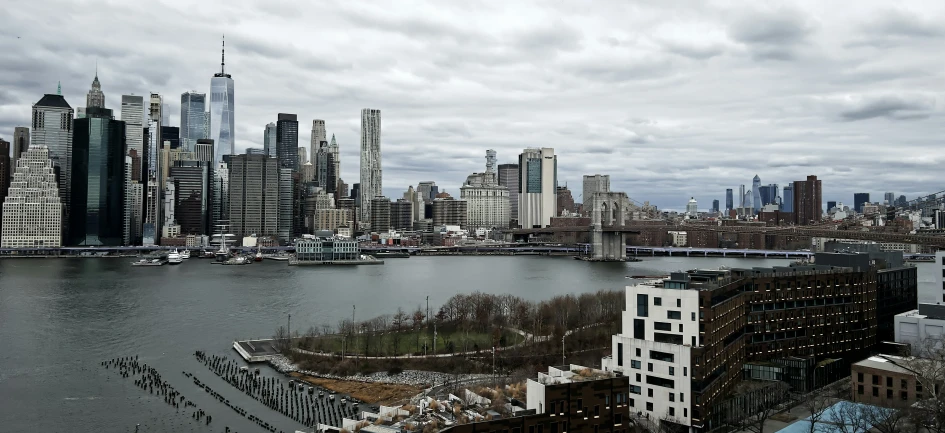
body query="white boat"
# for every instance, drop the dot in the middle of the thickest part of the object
(185, 254)
(174, 258)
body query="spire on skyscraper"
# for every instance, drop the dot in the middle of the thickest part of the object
(59, 88)
(333, 140)
(223, 55)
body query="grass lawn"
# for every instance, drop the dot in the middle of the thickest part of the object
(411, 342)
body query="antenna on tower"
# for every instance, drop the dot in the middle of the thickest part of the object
(223, 56)
(59, 88)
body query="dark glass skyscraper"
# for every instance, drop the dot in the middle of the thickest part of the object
(192, 187)
(287, 141)
(787, 198)
(193, 118)
(729, 199)
(98, 166)
(859, 199)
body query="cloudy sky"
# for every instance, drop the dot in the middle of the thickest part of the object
(671, 98)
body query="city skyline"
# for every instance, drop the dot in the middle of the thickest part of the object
(811, 84)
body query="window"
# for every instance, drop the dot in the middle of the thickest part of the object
(639, 329)
(635, 389)
(693, 316)
(903, 383)
(679, 303)
(685, 413)
(859, 377)
(672, 411)
(875, 392)
(635, 364)
(649, 366)
(659, 381)
(904, 395)
(662, 326)
(859, 389)
(888, 393)
(680, 327)
(607, 399)
(631, 403)
(685, 371)
(875, 380)
(918, 386)
(580, 403)
(889, 382)
(675, 315)
(639, 352)
(661, 356)
(657, 301)
(639, 378)
(643, 307)
(693, 341)
(620, 354)
(649, 391)
(618, 418)
(672, 371)
(649, 406)
(596, 410)
(682, 397)
(672, 397)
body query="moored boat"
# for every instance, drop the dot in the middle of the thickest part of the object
(174, 257)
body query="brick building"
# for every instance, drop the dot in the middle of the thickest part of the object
(569, 399)
(885, 381)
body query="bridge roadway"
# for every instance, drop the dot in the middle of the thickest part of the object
(531, 248)
(799, 231)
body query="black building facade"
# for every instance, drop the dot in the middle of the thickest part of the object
(193, 189)
(287, 141)
(97, 211)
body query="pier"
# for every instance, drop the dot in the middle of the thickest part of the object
(255, 350)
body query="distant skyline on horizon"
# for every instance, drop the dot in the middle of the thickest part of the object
(696, 98)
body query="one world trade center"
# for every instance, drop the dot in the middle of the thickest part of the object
(222, 124)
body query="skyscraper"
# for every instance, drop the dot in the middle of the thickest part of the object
(831, 204)
(729, 200)
(336, 160)
(253, 195)
(21, 143)
(787, 198)
(95, 97)
(132, 113)
(741, 196)
(487, 202)
(537, 194)
(859, 199)
(52, 130)
(286, 204)
(303, 157)
(32, 211)
(890, 199)
(98, 213)
(756, 196)
(509, 177)
(591, 185)
(808, 204)
(715, 206)
(490, 161)
(287, 141)
(269, 140)
(318, 136)
(203, 150)
(371, 172)
(193, 117)
(193, 187)
(222, 121)
(5, 170)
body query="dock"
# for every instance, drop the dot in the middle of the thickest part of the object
(255, 350)
(371, 261)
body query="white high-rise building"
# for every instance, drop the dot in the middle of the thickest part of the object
(487, 202)
(220, 206)
(538, 200)
(132, 113)
(593, 184)
(660, 328)
(303, 157)
(692, 208)
(490, 161)
(52, 129)
(286, 193)
(222, 120)
(371, 161)
(318, 136)
(33, 210)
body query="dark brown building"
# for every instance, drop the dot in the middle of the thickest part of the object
(569, 399)
(808, 204)
(565, 201)
(886, 381)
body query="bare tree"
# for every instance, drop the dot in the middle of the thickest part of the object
(928, 367)
(281, 340)
(817, 403)
(752, 414)
(846, 417)
(885, 420)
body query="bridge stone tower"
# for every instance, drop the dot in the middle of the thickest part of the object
(609, 214)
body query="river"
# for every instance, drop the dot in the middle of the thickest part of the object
(60, 318)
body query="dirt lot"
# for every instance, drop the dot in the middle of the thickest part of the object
(381, 393)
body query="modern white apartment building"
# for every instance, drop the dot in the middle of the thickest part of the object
(927, 322)
(32, 211)
(660, 328)
(538, 197)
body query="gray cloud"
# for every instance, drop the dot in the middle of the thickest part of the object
(889, 106)
(671, 102)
